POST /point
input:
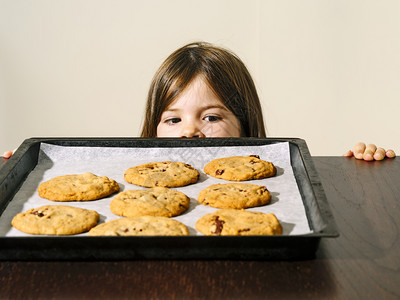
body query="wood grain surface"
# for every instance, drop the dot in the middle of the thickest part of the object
(363, 263)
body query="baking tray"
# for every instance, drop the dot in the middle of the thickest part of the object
(282, 247)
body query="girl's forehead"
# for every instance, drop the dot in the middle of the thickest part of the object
(197, 93)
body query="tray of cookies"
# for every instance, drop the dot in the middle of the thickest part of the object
(162, 198)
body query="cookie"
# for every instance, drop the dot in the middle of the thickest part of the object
(146, 225)
(165, 173)
(55, 220)
(158, 201)
(239, 168)
(235, 195)
(83, 187)
(239, 222)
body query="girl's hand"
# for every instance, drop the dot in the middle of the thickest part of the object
(369, 152)
(7, 154)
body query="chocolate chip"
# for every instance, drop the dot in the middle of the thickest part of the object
(38, 213)
(256, 156)
(122, 231)
(219, 172)
(218, 226)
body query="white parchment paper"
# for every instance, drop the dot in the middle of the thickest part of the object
(112, 162)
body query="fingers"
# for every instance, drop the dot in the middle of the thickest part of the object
(370, 152)
(380, 154)
(348, 153)
(390, 154)
(7, 154)
(359, 150)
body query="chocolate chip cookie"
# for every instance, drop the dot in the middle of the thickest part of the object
(240, 168)
(158, 201)
(165, 174)
(234, 195)
(146, 225)
(238, 222)
(55, 220)
(82, 187)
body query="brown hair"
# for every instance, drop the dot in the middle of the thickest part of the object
(225, 74)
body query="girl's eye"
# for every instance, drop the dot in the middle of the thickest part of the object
(212, 118)
(172, 121)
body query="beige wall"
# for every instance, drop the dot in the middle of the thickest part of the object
(326, 71)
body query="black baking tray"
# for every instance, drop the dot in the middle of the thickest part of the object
(283, 247)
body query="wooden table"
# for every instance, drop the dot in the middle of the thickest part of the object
(363, 263)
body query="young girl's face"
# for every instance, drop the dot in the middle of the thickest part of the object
(198, 112)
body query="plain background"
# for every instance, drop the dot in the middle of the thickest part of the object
(326, 71)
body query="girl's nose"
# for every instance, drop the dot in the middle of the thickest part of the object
(191, 130)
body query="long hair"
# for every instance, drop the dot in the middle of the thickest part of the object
(224, 73)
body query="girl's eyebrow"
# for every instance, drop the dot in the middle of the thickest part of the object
(202, 107)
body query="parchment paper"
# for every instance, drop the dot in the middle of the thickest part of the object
(112, 162)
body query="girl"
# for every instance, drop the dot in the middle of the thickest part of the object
(203, 91)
